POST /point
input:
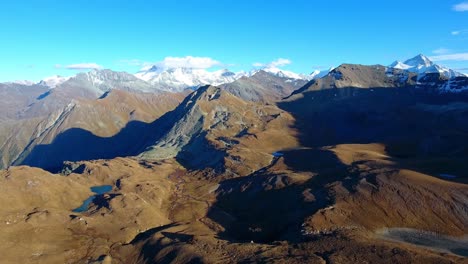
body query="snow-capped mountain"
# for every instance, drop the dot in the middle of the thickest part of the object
(320, 73)
(175, 79)
(50, 82)
(291, 75)
(96, 83)
(286, 74)
(179, 79)
(423, 65)
(23, 82)
(155, 78)
(53, 81)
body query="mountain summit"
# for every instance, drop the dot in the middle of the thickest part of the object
(179, 79)
(176, 79)
(423, 65)
(419, 61)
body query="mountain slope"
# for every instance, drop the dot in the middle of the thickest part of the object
(54, 81)
(15, 97)
(212, 127)
(30, 138)
(263, 87)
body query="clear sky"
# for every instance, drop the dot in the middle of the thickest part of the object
(43, 38)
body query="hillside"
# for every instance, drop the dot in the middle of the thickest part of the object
(367, 163)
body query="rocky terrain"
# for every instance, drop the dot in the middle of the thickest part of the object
(89, 106)
(364, 165)
(263, 87)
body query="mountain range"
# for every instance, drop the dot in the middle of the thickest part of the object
(38, 109)
(359, 162)
(179, 79)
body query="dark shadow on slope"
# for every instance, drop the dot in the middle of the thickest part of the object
(78, 144)
(149, 233)
(171, 248)
(271, 207)
(266, 208)
(44, 95)
(413, 123)
(164, 248)
(314, 160)
(102, 201)
(200, 154)
(386, 115)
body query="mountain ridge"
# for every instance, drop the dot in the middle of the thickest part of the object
(177, 79)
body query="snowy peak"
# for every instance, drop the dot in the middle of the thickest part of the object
(320, 74)
(179, 79)
(53, 81)
(95, 83)
(399, 65)
(416, 63)
(422, 65)
(419, 61)
(285, 74)
(289, 74)
(22, 82)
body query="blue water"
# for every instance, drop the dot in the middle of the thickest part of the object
(101, 189)
(98, 190)
(449, 176)
(278, 154)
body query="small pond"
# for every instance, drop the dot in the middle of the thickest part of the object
(448, 176)
(434, 241)
(98, 190)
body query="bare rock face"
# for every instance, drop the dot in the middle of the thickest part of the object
(100, 103)
(210, 127)
(83, 129)
(263, 87)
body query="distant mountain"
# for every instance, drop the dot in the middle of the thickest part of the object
(361, 104)
(22, 82)
(100, 102)
(362, 77)
(53, 81)
(264, 86)
(320, 73)
(423, 75)
(423, 65)
(96, 83)
(14, 97)
(284, 74)
(36, 114)
(433, 76)
(179, 79)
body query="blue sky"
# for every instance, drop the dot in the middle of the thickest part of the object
(43, 38)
